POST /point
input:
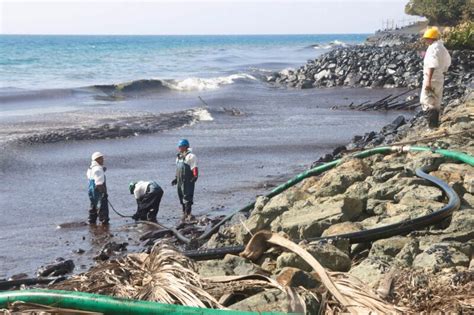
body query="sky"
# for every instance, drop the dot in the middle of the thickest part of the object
(179, 17)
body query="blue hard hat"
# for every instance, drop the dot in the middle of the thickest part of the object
(183, 143)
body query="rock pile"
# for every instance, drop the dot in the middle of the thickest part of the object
(369, 66)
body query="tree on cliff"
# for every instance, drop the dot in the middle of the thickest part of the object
(442, 12)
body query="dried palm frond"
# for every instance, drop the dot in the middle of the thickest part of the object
(165, 275)
(346, 292)
(435, 293)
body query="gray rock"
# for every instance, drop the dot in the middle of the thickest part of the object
(339, 179)
(312, 220)
(424, 159)
(327, 255)
(272, 300)
(408, 253)
(389, 246)
(229, 266)
(343, 228)
(420, 193)
(372, 269)
(388, 190)
(441, 255)
(377, 207)
(412, 205)
(294, 277)
(461, 227)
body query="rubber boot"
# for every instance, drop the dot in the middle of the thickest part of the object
(188, 211)
(433, 119)
(151, 216)
(92, 216)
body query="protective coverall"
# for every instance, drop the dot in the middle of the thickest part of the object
(148, 196)
(99, 205)
(186, 176)
(437, 57)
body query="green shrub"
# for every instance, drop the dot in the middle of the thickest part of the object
(442, 12)
(460, 37)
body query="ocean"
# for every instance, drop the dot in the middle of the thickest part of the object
(64, 97)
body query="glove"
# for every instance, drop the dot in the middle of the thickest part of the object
(194, 179)
(174, 182)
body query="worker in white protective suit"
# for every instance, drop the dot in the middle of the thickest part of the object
(436, 62)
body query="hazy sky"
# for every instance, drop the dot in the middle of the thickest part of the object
(197, 17)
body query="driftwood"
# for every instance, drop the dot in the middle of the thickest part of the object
(390, 102)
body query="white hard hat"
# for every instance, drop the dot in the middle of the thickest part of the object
(96, 155)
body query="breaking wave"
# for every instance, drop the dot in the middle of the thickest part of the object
(330, 45)
(202, 84)
(132, 88)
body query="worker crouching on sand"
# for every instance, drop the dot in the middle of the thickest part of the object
(436, 62)
(98, 190)
(186, 177)
(148, 196)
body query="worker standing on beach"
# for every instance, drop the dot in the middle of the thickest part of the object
(98, 190)
(186, 177)
(148, 196)
(436, 62)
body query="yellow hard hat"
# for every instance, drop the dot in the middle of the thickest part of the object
(431, 33)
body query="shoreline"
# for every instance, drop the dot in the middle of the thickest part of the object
(378, 204)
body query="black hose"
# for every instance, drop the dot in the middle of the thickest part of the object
(371, 235)
(123, 216)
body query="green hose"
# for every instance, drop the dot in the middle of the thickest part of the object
(458, 156)
(106, 304)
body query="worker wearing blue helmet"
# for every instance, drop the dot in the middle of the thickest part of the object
(186, 177)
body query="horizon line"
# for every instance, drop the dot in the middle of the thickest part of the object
(243, 34)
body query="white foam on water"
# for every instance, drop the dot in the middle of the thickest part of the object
(336, 43)
(202, 84)
(203, 114)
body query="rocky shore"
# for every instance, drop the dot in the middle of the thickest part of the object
(372, 66)
(429, 270)
(373, 192)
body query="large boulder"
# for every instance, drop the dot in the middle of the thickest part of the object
(265, 212)
(419, 192)
(295, 277)
(411, 205)
(372, 269)
(337, 180)
(389, 246)
(359, 190)
(343, 228)
(461, 228)
(327, 255)
(229, 266)
(388, 190)
(273, 300)
(442, 255)
(311, 221)
(407, 254)
(427, 159)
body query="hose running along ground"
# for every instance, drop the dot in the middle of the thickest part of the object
(108, 305)
(362, 236)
